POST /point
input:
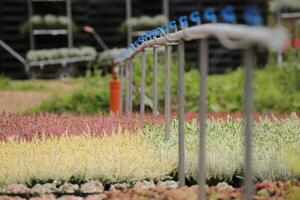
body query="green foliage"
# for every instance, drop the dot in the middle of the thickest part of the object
(90, 98)
(143, 23)
(47, 22)
(33, 85)
(275, 89)
(107, 57)
(48, 54)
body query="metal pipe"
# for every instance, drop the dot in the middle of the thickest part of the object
(204, 57)
(15, 54)
(70, 23)
(248, 103)
(278, 21)
(181, 59)
(143, 75)
(130, 80)
(30, 14)
(121, 71)
(168, 91)
(166, 9)
(155, 112)
(231, 35)
(127, 86)
(128, 19)
(100, 40)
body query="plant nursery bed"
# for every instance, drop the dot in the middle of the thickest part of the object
(167, 190)
(59, 155)
(27, 126)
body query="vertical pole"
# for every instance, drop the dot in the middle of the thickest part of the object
(248, 102)
(204, 56)
(127, 86)
(181, 113)
(130, 80)
(128, 18)
(166, 9)
(121, 74)
(168, 91)
(278, 21)
(129, 41)
(154, 82)
(69, 14)
(30, 14)
(143, 74)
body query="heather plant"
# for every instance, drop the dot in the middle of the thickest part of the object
(121, 157)
(79, 153)
(27, 127)
(225, 147)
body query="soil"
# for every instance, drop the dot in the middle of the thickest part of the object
(20, 101)
(59, 84)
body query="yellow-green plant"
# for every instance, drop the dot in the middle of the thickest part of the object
(117, 158)
(293, 160)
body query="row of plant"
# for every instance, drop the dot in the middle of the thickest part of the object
(47, 22)
(51, 54)
(142, 154)
(143, 23)
(149, 190)
(47, 125)
(276, 90)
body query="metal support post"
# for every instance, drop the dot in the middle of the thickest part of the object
(168, 92)
(128, 18)
(127, 86)
(166, 9)
(130, 82)
(121, 74)
(70, 22)
(181, 170)
(204, 57)
(155, 82)
(30, 14)
(248, 103)
(143, 75)
(278, 22)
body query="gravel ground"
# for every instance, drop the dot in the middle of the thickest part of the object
(20, 101)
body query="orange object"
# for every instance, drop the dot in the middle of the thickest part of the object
(114, 95)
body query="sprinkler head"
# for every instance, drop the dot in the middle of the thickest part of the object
(88, 29)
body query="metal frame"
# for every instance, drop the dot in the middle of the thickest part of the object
(232, 37)
(130, 33)
(33, 32)
(63, 61)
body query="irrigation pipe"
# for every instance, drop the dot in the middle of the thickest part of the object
(232, 36)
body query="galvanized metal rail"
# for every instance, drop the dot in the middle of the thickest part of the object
(231, 36)
(63, 61)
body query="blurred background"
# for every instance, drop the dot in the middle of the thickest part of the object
(81, 36)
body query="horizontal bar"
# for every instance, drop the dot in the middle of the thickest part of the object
(232, 36)
(48, 0)
(60, 61)
(50, 32)
(290, 15)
